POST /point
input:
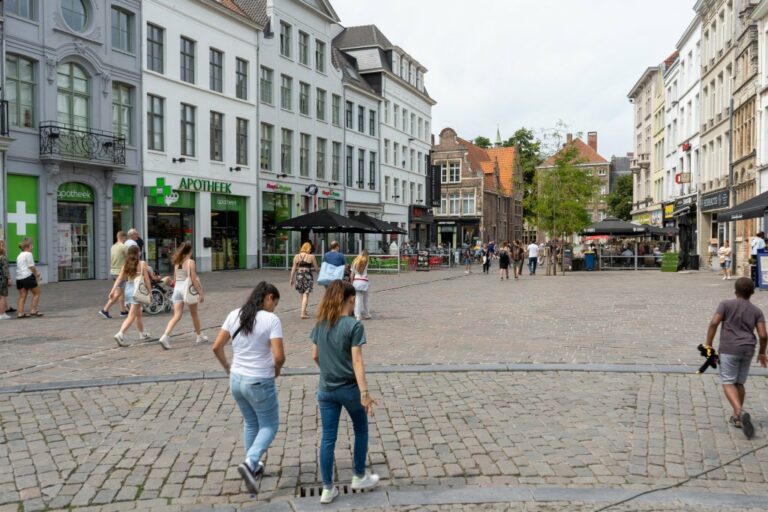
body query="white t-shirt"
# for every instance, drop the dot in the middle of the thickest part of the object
(24, 261)
(533, 251)
(252, 354)
(130, 243)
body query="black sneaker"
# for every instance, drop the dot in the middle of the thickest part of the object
(105, 314)
(123, 314)
(10, 310)
(249, 476)
(746, 425)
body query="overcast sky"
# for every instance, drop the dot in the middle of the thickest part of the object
(530, 62)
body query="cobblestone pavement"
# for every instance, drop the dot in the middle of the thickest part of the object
(430, 317)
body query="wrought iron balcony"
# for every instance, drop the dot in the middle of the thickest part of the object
(62, 142)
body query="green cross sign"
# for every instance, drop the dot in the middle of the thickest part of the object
(160, 189)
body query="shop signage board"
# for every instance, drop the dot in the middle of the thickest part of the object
(122, 194)
(668, 209)
(279, 188)
(715, 201)
(74, 193)
(22, 213)
(330, 193)
(200, 185)
(656, 218)
(762, 270)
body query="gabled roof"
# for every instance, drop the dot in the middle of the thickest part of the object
(233, 7)
(256, 9)
(361, 37)
(586, 154)
(647, 75)
(324, 8)
(488, 160)
(506, 159)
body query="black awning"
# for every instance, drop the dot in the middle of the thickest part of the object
(749, 209)
(683, 210)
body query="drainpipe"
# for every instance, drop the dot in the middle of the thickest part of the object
(731, 226)
(257, 167)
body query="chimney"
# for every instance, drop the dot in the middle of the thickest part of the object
(568, 138)
(592, 140)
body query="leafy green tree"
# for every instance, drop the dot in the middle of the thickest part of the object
(529, 153)
(620, 199)
(483, 142)
(564, 195)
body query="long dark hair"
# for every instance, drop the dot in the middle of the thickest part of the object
(337, 293)
(184, 250)
(253, 305)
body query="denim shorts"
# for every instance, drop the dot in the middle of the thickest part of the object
(129, 289)
(734, 369)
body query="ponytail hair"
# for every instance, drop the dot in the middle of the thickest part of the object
(184, 250)
(253, 305)
(336, 295)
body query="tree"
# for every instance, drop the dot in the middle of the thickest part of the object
(483, 142)
(620, 200)
(529, 153)
(564, 195)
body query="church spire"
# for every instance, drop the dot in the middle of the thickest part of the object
(498, 137)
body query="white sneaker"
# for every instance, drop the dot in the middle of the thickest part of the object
(144, 336)
(724, 278)
(201, 338)
(120, 339)
(165, 341)
(329, 495)
(4, 317)
(366, 482)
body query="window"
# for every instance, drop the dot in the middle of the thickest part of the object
(386, 188)
(602, 171)
(372, 123)
(303, 98)
(412, 193)
(73, 96)
(403, 157)
(421, 128)
(336, 162)
(397, 115)
(372, 170)
(122, 29)
(285, 39)
(350, 151)
(20, 90)
(187, 60)
(419, 161)
(320, 158)
(444, 204)
(266, 147)
(155, 114)
(468, 203)
(304, 48)
(413, 124)
(217, 136)
(266, 85)
(360, 168)
(155, 37)
(450, 173)
(386, 112)
(21, 8)
(348, 113)
(242, 141)
(426, 131)
(361, 119)
(405, 120)
(453, 204)
(188, 116)
(403, 198)
(304, 143)
(286, 149)
(411, 159)
(122, 111)
(321, 105)
(320, 56)
(396, 191)
(386, 151)
(420, 198)
(286, 91)
(241, 79)
(216, 65)
(336, 110)
(75, 14)
(395, 154)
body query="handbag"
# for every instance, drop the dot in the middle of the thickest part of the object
(140, 292)
(191, 294)
(329, 273)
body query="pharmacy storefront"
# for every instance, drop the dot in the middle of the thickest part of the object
(212, 215)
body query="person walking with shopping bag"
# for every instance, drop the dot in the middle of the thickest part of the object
(257, 358)
(136, 278)
(337, 350)
(187, 290)
(301, 276)
(362, 286)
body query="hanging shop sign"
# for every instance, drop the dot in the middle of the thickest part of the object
(668, 209)
(279, 188)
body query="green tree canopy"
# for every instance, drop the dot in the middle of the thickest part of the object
(529, 153)
(483, 142)
(620, 199)
(564, 195)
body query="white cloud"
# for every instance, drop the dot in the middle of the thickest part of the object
(530, 62)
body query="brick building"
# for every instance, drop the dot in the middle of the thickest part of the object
(482, 191)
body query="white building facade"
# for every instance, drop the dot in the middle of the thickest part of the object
(760, 15)
(200, 159)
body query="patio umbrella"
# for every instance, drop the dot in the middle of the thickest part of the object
(324, 221)
(378, 224)
(614, 227)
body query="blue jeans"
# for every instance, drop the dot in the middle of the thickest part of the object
(330, 403)
(532, 262)
(257, 400)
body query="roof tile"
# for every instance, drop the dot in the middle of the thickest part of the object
(585, 152)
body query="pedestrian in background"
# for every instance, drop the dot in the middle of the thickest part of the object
(486, 258)
(724, 253)
(132, 268)
(362, 286)
(518, 258)
(504, 259)
(257, 358)
(117, 255)
(756, 244)
(184, 275)
(467, 256)
(533, 257)
(27, 280)
(301, 276)
(337, 350)
(738, 319)
(5, 281)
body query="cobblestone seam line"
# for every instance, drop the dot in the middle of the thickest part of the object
(426, 368)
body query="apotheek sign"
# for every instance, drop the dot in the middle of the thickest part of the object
(198, 185)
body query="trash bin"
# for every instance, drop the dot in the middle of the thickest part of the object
(694, 261)
(589, 261)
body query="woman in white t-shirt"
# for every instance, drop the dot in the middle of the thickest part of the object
(27, 278)
(257, 357)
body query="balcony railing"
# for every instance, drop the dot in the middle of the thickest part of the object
(5, 129)
(62, 142)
